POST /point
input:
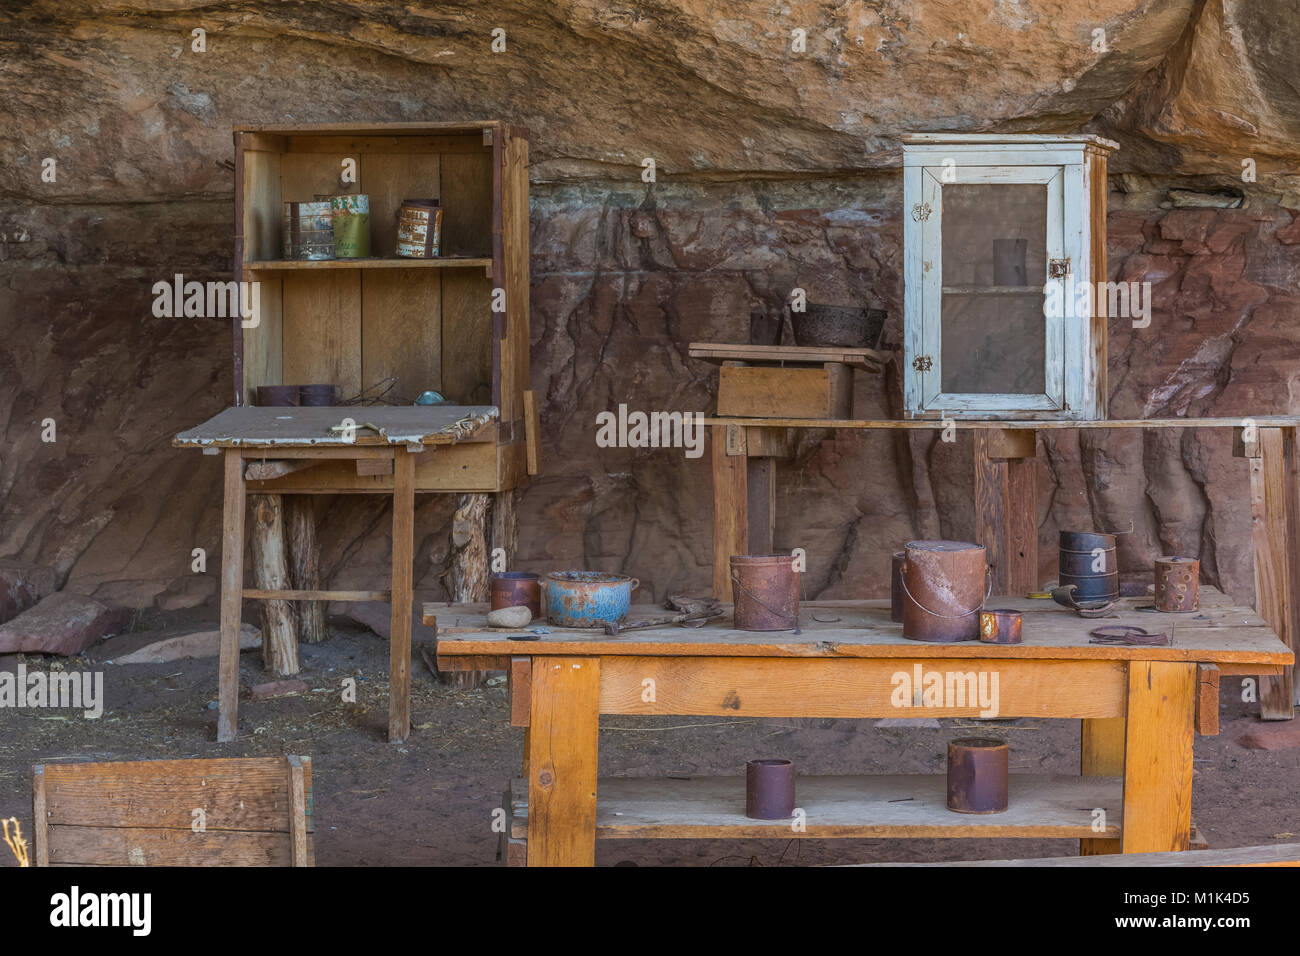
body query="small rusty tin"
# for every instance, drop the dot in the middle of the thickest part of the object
(275, 396)
(308, 230)
(896, 586)
(769, 789)
(944, 586)
(1177, 584)
(419, 228)
(516, 588)
(1000, 625)
(765, 589)
(977, 775)
(318, 395)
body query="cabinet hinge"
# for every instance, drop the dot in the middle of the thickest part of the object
(921, 211)
(1058, 268)
(922, 363)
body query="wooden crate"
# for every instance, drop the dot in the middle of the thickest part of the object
(429, 323)
(761, 391)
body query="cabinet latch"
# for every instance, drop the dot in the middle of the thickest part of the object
(922, 363)
(921, 211)
(1058, 268)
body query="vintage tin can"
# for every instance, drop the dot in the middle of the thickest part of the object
(1177, 584)
(1087, 561)
(765, 589)
(350, 219)
(318, 395)
(977, 775)
(1000, 626)
(896, 586)
(769, 789)
(274, 396)
(308, 230)
(515, 589)
(588, 598)
(419, 228)
(944, 585)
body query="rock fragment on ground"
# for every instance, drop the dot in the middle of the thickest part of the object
(279, 688)
(63, 623)
(186, 646)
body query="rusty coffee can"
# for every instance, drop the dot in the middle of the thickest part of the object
(977, 775)
(308, 230)
(274, 396)
(896, 586)
(769, 789)
(318, 395)
(765, 588)
(419, 228)
(515, 588)
(1000, 625)
(1088, 562)
(1177, 584)
(944, 586)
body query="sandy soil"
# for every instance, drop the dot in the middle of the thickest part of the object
(429, 801)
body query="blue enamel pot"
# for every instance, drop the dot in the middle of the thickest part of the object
(587, 598)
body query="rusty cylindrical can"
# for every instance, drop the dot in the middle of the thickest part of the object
(769, 789)
(1000, 625)
(277, 395)
(896, 586)
(1177, 584)
(515, 588)
(308, 230)
(765, 589)
(318, 395)
(1088, 562)
(944, 586)
(977, 775)
(419, 228)
(350, 219)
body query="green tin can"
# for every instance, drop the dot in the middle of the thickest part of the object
(351, 219)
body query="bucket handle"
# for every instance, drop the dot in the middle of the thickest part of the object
(759, 601)
(988, 576)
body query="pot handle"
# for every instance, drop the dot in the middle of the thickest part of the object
(634, 584)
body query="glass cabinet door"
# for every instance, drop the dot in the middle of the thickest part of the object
(993, 245)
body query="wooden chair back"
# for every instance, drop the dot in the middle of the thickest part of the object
(248, 811)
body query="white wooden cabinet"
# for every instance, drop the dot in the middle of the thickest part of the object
(1004, 243)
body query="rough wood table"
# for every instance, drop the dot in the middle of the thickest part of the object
(284, 440)
(1139, 705)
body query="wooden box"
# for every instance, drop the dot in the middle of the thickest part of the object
(1005, 276)
(759, 391)
(456, 324)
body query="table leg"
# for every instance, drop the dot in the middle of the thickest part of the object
(730, 510)
(1158, 756)
(399, 641)
(232, 594)
(1102, 750)
(561, 761)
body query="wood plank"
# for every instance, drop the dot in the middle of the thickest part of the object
(232, 583)
(533, 432)
(305, 432)
(390, 179)
(1021, 544)
(399, 641)
(1207, 699)
(1010, 442)
(297, 811)
(467, 202)
(1275, 525)
(264, 470)
(717, 353)
(367, 467)
(315, 594)
(132, 846)
(304, 176)
(40, 819)
(758, 687)
(839, 379)
(562, 762)
(388, 264)
(795, 392)
(270, 561)
(521, 689)
(730, 512)
(760, 479)
(515, 348)
(767, 442)
(991, 511)
(374, 145)
(401, 332)
(471, 466)
(853, 807)
(1158, 756)
(261, 209)
(1281, 854)
(322, 330)
(1101, 755)
(467, 329)
(992, 422)
(1006, 509)
(262, 347)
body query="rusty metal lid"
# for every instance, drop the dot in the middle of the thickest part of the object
(944, 546)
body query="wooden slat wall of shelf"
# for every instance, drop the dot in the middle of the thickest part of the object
(391, 178)
(932, 423)
(397, 308)
(322, 329)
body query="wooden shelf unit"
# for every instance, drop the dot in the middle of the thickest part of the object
(428, 323)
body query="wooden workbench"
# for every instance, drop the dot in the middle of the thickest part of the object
(301, 440)
(1139, 707)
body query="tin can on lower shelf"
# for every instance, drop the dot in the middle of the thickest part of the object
(308, 230)
(1178, 584)
(419, 228)
(769, 789)
(978, 770)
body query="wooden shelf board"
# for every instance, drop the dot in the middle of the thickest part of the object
(306, 426)
(311, 265)
(1262, 421)
(844, 807)
(993, 290)
(718, 353)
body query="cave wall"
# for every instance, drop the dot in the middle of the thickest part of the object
(774, 170)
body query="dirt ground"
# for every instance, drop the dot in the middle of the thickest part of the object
(429, 801)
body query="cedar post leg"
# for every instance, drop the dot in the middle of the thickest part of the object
(561, 761)
(399, 642)
(1158, 756)
(232, 594)
(1102, 752)
(730, 504)
(1006, 506)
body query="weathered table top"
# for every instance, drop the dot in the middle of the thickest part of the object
(298, 427)
(1218, 633)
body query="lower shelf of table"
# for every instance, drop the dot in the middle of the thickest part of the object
(843, 807)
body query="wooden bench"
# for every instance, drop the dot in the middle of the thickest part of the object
(252, 811)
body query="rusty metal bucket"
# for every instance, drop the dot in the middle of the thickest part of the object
(977, 775)
(765, 588)
(1088, 563)
(516, 588)
(944, 586)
